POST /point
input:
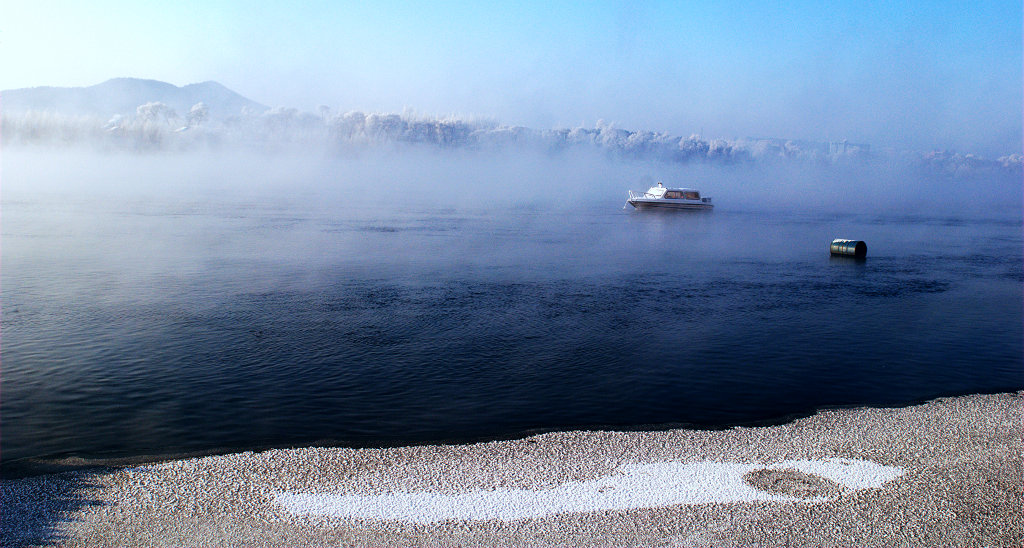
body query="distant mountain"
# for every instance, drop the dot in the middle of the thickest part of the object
(124, 95)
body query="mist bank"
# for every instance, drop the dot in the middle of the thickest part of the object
(411, 178)
(158, 128)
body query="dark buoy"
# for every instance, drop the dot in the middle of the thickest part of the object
(850, 248)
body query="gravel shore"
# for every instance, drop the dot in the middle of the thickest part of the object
(947, 472)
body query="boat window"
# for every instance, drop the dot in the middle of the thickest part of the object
(672, 194)
(692, 195)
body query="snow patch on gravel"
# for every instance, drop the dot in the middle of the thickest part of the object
(636, 486)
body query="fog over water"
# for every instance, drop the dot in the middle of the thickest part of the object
(411, 176)
(195, 302)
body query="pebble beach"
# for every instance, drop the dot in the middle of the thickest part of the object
(945, 472)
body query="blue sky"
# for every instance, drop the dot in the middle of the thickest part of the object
(921, 75)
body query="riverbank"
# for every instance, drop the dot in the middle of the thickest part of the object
(944, 472)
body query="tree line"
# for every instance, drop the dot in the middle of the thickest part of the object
(157, 127)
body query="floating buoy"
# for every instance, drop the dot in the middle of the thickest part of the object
(850, 248)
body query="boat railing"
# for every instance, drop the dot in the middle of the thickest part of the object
(638, 195)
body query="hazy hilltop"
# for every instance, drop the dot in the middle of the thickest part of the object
(124, 95)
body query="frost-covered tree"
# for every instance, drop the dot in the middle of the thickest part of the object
(718, 149)
(384, 127)
(198, 114)
(1011, 161)
(114, 123)
(156, 111)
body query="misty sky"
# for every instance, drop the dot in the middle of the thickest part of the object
(917, 74)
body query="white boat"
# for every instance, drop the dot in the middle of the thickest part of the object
(660, 197)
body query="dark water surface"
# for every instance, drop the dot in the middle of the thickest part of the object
(160, 326)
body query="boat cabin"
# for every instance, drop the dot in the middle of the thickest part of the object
(682, 194)
(673, 193)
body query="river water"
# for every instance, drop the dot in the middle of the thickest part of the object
(153, 325)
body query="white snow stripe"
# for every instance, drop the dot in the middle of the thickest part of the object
(636, 486)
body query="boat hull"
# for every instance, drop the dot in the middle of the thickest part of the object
(670, 204)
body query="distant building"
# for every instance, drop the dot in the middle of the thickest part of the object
(775, 145)
(846, 147)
